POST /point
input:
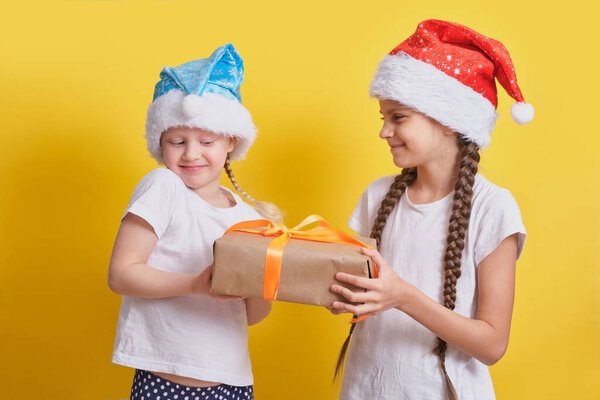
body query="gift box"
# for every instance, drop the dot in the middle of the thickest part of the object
(268, 260)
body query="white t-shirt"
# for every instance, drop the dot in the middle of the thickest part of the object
(194, 336)
(391, 355)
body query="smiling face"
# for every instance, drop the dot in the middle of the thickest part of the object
(197, 156)
(414, 139)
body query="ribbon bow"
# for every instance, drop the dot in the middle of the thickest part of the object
(321, 233)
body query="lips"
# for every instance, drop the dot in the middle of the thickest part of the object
(396, 146)
(192, 168)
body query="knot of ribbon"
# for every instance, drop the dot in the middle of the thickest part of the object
(275, 228)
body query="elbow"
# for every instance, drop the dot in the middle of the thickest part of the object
(119, 274)
(114, 283)
(494, 354)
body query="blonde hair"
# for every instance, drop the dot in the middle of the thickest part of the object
(268, 210)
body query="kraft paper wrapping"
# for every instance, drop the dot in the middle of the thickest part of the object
(307, 269)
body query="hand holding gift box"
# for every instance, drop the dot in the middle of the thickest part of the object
(268, 260)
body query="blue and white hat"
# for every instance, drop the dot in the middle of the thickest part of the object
(202, 94)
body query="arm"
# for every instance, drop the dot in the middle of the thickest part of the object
(257, 310)
(484, 337)
(129, 275)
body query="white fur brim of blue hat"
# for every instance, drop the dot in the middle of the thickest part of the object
(210, 111)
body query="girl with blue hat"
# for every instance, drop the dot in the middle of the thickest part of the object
(183, 341)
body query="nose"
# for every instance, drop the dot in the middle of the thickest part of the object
(192, 151)
(386, 131)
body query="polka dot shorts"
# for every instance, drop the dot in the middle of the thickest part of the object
(147, 386)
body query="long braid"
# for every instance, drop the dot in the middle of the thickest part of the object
(457, 229)
(397, 189)
(266, 209)
(237, 187)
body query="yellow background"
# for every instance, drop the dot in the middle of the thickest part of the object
(76, 78)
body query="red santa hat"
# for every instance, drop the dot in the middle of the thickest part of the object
(446, 71)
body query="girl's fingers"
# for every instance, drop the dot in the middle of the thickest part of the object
(333, 310)
(360, 297)
(360, 310)
(358, 281)
(374, 254)
(340, 306)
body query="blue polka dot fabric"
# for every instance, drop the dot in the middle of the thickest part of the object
(147, 386)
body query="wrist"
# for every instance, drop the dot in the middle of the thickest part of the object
(195, 285)
(408, 296)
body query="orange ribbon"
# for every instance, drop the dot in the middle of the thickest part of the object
(320, 233)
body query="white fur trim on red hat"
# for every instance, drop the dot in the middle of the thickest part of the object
(430, 91)
(210, 111)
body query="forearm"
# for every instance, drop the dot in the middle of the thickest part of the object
(257, 310)
(475, 337)
(141, 280)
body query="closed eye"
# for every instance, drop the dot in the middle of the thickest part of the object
(395, 118)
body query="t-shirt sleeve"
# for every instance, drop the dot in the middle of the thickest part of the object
(364, 214)
(154, 199)
(359, 220)
(500, 219)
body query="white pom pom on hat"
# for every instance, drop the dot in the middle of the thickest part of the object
(522, 113)
(192, 106)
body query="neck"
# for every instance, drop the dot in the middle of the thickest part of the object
(435, 180)
(213, 195)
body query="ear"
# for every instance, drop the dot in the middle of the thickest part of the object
(232, 143)
(448, 131)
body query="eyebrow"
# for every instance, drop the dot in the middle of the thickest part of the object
(397, 109)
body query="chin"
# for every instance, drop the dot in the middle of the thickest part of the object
(193, 183)
(403, 163)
